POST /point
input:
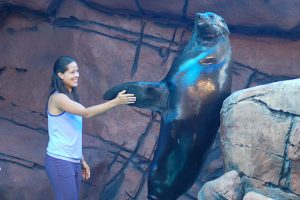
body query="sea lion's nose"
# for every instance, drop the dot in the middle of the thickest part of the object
(199, 16)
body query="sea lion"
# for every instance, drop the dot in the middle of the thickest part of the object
(189, 100)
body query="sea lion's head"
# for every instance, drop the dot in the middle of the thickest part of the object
(209, 26)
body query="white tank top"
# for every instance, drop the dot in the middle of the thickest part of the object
(65, 137)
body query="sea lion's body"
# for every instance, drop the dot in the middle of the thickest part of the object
(189, 100)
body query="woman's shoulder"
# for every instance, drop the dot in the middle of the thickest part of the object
(58, 101)
(55, 99)
(58, 96)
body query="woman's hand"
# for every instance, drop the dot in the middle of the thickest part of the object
(123, 98)
(86, 173)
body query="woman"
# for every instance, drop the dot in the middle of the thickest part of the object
(64, 157)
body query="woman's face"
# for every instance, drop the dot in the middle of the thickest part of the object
(70, 76)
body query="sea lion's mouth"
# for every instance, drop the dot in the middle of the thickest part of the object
(207, 31)
(202, 24)
(201, 21)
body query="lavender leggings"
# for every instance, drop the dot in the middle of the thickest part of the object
(65, 178)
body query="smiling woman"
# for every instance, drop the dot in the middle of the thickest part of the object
(64, 157)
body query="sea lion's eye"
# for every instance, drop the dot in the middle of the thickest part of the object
(211, 16)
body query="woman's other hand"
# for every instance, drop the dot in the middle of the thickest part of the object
(86, 173)
(123, 98)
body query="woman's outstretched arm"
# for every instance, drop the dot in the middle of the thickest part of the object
(63, 103)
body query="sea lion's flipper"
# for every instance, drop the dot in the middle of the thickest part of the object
(149, 95)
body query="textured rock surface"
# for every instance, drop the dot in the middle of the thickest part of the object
(254, 13)
(227, 186)
(255, 196)
(276, 16)
(261, 187)
(260, 137)
(118, 41)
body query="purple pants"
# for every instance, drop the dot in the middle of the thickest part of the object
(65, 178)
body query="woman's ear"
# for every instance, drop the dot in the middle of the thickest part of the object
(60, 75)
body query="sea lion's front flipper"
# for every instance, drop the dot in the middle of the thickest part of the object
(149, 95)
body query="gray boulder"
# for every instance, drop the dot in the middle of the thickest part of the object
(227, 186)
(260, 137)
(255, 196)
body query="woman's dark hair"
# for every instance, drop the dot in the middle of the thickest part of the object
(57, 84)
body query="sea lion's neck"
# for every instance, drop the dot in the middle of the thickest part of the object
(197, 46)
(206, 42)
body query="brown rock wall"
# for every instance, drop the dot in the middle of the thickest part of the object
(115, 42)
(41, 5)
(280, 15)
(256, 13)
(258, 51)
(113, 4)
